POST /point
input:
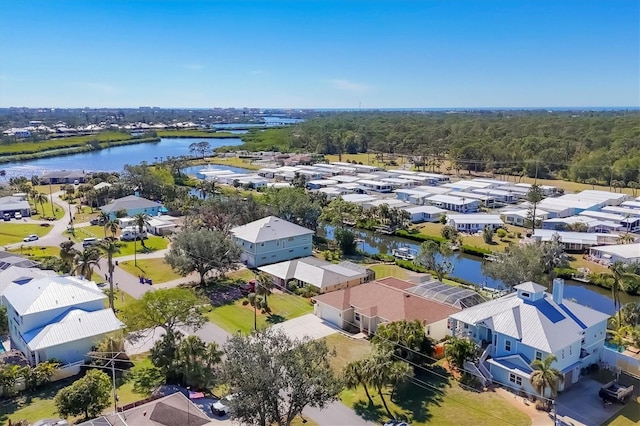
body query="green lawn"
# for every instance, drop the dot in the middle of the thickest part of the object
(153, 243)
(383, 271)
(14, 232)
(628, 416)
(347, 350)
(242, 275)
(436, 401)
(36, 251)
(96, 231)
(235, 316)
(33, 407)
(155, 269)
(37, 214)
(85, 214)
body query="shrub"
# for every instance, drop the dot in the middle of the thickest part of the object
(449, 232)
(418, 237)
(501, 233)
(474, 251)
(407, 264)
(565, 273)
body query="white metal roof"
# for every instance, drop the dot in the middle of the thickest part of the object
(630, 252)
(315, 271)
(542, 324)
(631, 204)
(491, 219)
(357, 198)
(51, 292)
(268, 229)
(75, 325)
(424, 209)
(450, 199)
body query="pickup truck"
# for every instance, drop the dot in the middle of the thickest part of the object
(615, 392)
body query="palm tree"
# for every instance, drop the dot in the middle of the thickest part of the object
(622, 277)
(459, 350)
(354, 374)
(67, 253)
(264, 284)
(546, 377)
(534, 196)
(112, 225)
(141, 220)
(110, 247)
(258, 302)
(383, 370)
(487, 234)
(85, 261)
(40, 198)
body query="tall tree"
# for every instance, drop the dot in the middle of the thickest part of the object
(435, 257)
(384, 371)
(459, 350)
(110, 248)
(406, 339)
(519, 264)
(111, 225)
(172, 309)
(141, 221)
(534, 196)
(623, 275)
(68, 253)
(88, 395)
(40, 198)
(273, 377)
(545, 376)
(355, 374)
(203, 251)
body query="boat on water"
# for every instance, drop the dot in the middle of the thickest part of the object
(404, 253)
(490, 258)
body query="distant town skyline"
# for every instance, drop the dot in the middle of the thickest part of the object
(320, 54)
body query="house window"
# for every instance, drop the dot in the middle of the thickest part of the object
(524, 294)
(290, 251)
(261, 244)
(563, 354)
(466, 326)
(357, 317)
(507, 345)
(539, 355)
(515, 379)
(570, 351)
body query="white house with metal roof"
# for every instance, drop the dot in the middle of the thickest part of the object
(271, 240)
(323, 275)
(474, 222)
(627, 253)
(424, 213)
(532, 324)
(576, 241)
(12, 205)
(57, 317)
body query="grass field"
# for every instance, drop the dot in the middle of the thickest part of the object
(37, 210)
(85, 215)
(383, 271)
(35, 251)
(347, 350)
(153, 243)
(155, 269)
(432, 400)
(73, 141)
(14, 232)
(236, 317)
(369, 159)
(628, 416)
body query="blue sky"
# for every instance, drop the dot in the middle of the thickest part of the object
(320, 54)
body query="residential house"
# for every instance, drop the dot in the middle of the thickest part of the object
(575, 241)
(420, 214)
(531, 324)
(629, 223)
(57, 317)
(627, 253)
(324, 276)
(272, 240)
(364, 307)
(521, 217)
(63, 176)
(390, 202)
(471, 223)
(132, 205)
(376, 185)
(456, 204)
(590, 224)
(12, 205)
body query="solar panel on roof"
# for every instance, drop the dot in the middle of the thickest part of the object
(4, 265)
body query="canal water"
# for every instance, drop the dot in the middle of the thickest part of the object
(113, 159)
(469, 268)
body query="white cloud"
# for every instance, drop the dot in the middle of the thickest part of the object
(194, 67)
(348, 85)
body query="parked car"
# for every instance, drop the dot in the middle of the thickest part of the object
(96, 221)
(133, 235)
(249, 287)
(89, 242)
(221, 408)
(615, 392)
(18, 215)
(32, 237)
(6, 217)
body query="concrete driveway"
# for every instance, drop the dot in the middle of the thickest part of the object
(306, 325)
(142, 341)
(581, 405)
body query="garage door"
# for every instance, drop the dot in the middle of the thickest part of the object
(330, 314)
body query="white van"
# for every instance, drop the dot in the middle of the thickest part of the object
(129, 234)
(89, 242)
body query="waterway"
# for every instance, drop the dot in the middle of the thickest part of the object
(469, 268)
(112, 159)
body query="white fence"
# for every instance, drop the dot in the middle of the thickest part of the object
(67, 371)
(615, 359)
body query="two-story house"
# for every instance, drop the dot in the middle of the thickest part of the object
(57, 317)
(271, 240)
(532, 324)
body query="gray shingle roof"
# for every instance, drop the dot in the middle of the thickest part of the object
(129, 202)
(268, 229)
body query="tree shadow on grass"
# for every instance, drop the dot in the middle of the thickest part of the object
(417, 394)
(275, 319)
(370, 412)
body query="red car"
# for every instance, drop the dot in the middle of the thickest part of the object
(249, 287)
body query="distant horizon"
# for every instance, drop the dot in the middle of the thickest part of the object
(346, 109)
(321, 54)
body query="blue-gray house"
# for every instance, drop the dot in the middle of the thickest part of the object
(271, 240)
(133, 205)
